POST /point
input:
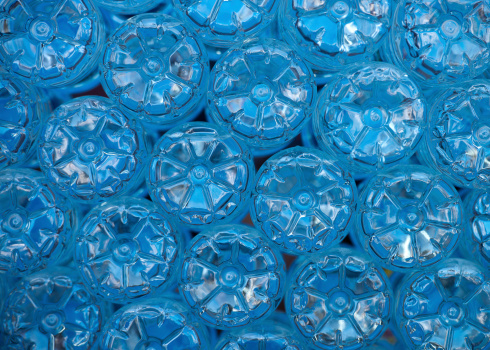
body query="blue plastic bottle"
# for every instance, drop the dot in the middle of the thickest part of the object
(332, 33)
(445, 307)
(22, 110)
(409, 218)
(457, 143)
(128, 6)
(155, 68)
(339, 299)
(442, 42)
(200, 175)
(303, 200)
(51, 310)
(36, 223)
(232, 277)
(91, 151)
(225, 23)
(50, 43)
(372, 116)
(262, 92)
(126, 250)
(154, 324)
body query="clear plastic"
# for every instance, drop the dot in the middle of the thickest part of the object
(128, 6)
(372, 116)
(154, 324)
(126, 250)
(36, 223)
(155, 68)
(441, 42)
(445, 307)
(200, 175)
(50, 43)
(332, 33)
(262, 92)
(224, 23)
(51, 310)
(457, 143)
(90, 151)
(232, 277)
(22, 111)
(410, 218)
(339, 299)
(303, 200)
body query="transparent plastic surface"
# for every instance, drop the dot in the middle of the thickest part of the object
(445, 308)
(154, 324)
(441, 42)
(231, 277)
(200, 175)
(91, 151)
(51, 310)
(126, 250)
(332, 33)
(303, 200)
(457, 143)
(370, 117)
(36, 223)
(410, 218)
(155, 68)
(308, 136)
(128, 6)
(339, 300)
(22, 110)
(224, 23)
(50, 43)
(262, 92)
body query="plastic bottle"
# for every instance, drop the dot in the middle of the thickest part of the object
(91, 151)
(332, 33)
(231, 277)
(22, 110)
(457, 143)
(303, 200)
(445, 307)
(50, 43)
(36, 223)
(200, 175)
(372, 116)
(51, 310)
(156, 324)
(262, 92)
(128, 6)
(225, 23)
(441, 42)
(339, 299)
(155, 68)
(409, 218)
(126, 250)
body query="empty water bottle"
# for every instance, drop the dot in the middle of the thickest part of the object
(231, 277)
(332, 33)
(224, 23)
(155, 68)
(154, 324)
(457, 143)
(36, 223)
(370, 117)
(126, 250)
(200, 175)
(441, 42)
(51, 310)
(303, 201)
(50, 43)
(410, 217)
(22, 110)
(262, 92)
(128, 6)
(339, 300)
(91, 151)
(445, 307)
